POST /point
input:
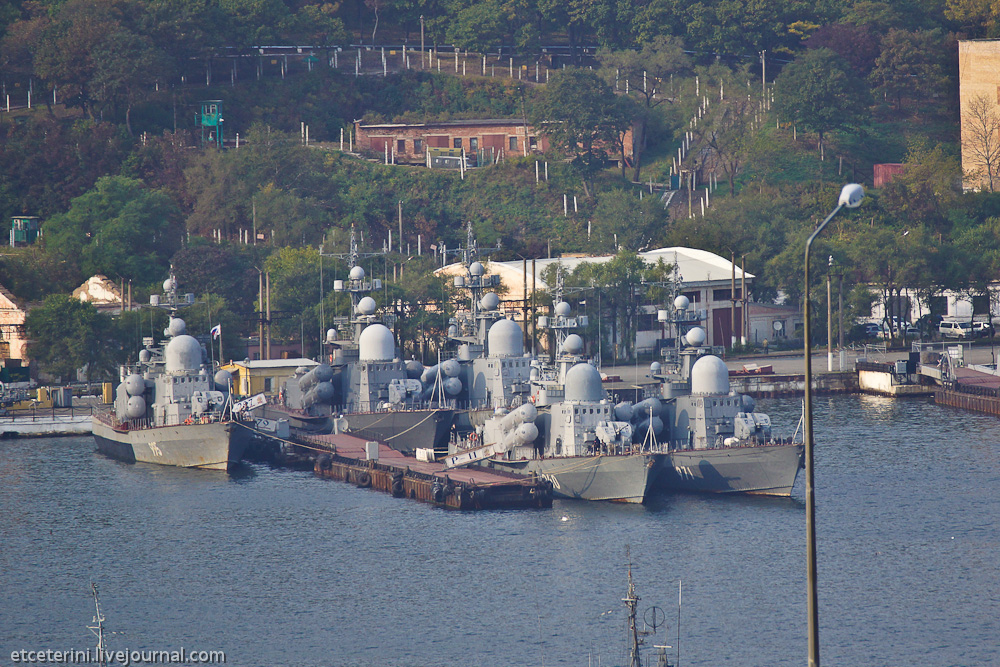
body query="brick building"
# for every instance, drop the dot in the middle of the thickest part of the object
(13, 340)
(495, 137)
(978, 76)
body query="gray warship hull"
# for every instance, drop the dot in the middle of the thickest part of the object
(405, 430)
(213, 446)
(627, 478)
(761, 469)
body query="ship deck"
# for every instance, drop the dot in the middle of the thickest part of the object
(343, 457)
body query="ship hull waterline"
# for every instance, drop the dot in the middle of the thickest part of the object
(626, 479)
(762, 470)
(214, 446)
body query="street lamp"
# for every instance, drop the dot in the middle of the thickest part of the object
(851, 197)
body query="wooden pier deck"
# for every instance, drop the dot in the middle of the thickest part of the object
(343, 457)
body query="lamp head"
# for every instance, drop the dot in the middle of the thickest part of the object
(851, 195)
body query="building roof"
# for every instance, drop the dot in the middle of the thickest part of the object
(99, 290)
(471, 122)
(697, 267)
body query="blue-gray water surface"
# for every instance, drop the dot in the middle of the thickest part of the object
(280, 568)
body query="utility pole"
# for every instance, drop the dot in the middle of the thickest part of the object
(422, 65)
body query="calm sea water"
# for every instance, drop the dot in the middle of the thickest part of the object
(279, 568)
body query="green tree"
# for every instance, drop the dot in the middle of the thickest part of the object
(119, 228)
(909, 65)
(821, 93)
(67, 335)
(582, 115)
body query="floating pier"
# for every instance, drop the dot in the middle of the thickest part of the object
(374, 465)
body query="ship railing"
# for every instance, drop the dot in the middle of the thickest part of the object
(142, 423)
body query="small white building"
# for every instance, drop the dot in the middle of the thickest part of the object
(949, 304)
(106, 295)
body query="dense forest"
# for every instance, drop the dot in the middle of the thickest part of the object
(773, 106)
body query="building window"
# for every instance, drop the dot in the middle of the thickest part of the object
(400, 146)
(533, 142)
(513, 143)
(418, 146)
(473, 143)
(693, 297)
(725, 295)
(457, 142)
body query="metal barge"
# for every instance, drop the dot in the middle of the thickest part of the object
(375, 465)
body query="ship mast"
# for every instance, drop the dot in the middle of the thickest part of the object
(98, 628)
(631, 601)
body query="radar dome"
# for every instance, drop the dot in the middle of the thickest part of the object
(573, 344)
(223, 380)
(135, 385)
(489, 301)
(145, 356)
(476, 269)
(177, 326)
(136, 407)
(331, 335)
(583, 383)
(366, 306)
(376, 343)
(357, 273)
(655, 367)
(505, 339)
(183, 353)
(681, 302)
(451, 368)
(709, 375)
(563, 308)
(695, 337)
(414, 369)
(169, 284)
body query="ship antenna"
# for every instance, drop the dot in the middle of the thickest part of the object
(631, 601)
(98, 628)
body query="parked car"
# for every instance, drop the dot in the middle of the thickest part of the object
(911, 331)
(953, 329)
(982, 329)
(873, 330)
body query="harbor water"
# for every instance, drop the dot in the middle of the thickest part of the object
(283, 569)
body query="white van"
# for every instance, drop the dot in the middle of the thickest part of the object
(952, 329)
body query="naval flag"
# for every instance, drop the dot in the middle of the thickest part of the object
(217, 331)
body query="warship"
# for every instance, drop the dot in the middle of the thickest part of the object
(711, 438)
(169, 408)
(567, 433)
(364, 387)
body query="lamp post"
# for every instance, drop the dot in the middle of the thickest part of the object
(850, 197)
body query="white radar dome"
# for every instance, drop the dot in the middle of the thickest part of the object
(709, 375)
(505, 339)
(135, 385)
(489, 301)
(183, 353)
(169, 284)
(655, 367)
(376, 343)
(331, 335)
(366, 306)
(145, 356)
(681, 302)
(223, 380)
(136, 407)
(583, 383)
(573, 344)
(177, 326)
(476, 269)
(695, 337)
(563, 308)
(357, 273)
